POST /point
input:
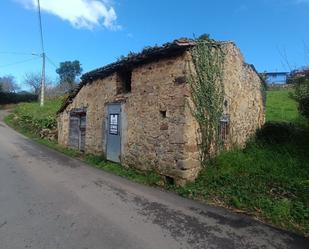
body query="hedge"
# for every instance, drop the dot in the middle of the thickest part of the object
(13, 98)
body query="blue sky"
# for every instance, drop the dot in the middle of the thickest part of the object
(269, 33)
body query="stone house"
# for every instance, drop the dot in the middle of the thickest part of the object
(138, 110)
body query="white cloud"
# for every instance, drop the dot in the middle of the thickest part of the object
(80, 13)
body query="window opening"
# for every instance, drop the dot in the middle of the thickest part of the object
(125, 80)
(163, 114)
(224, 127)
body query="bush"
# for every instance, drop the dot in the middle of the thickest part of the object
(304, 106)
(302, 94)
(14, 98)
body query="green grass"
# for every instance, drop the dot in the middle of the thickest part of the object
(268, 179)
(280, 107)
(32, 117)
(148, 178)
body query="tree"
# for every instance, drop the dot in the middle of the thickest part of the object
(8, 84)
(68, 71)
(33, 80)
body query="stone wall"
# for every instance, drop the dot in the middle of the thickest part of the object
(244, 106)
(153, 133)
(94, 98)
(155, 117)
(159, 131)
(243, 95)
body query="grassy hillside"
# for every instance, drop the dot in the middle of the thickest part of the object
(280, 107)
(269, 179)
(33, 118)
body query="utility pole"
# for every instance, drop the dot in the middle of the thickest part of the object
(43, 57)
(43, 80)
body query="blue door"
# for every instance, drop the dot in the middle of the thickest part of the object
(113, 141)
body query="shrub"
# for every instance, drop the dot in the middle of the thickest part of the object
(304, 106)
(302, 94)
(14, 98)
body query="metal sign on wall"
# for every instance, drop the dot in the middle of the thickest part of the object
(113, 124)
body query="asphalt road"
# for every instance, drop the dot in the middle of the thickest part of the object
(50, 201)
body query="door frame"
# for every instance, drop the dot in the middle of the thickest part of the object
(83, 114)
(107, 124)
(78, 113)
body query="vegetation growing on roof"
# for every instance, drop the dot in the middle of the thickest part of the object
(207, 92)
(130, 61)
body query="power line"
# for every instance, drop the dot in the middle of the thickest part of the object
(18, 62)
(15, 53)
(51, 62)
(284, 57)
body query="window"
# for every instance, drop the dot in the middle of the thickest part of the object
(224, 128)
(124, 80)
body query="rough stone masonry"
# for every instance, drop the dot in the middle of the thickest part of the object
(158, 130)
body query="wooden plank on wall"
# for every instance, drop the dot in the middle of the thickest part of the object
(74, 132)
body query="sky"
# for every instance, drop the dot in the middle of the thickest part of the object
(273, 35)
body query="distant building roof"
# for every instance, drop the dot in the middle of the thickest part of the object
(276, 77)
(300, 72)
(277, 73)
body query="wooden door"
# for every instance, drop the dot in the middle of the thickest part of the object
(74, 132)
(82, 127)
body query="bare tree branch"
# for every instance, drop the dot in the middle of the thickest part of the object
(8, 84)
